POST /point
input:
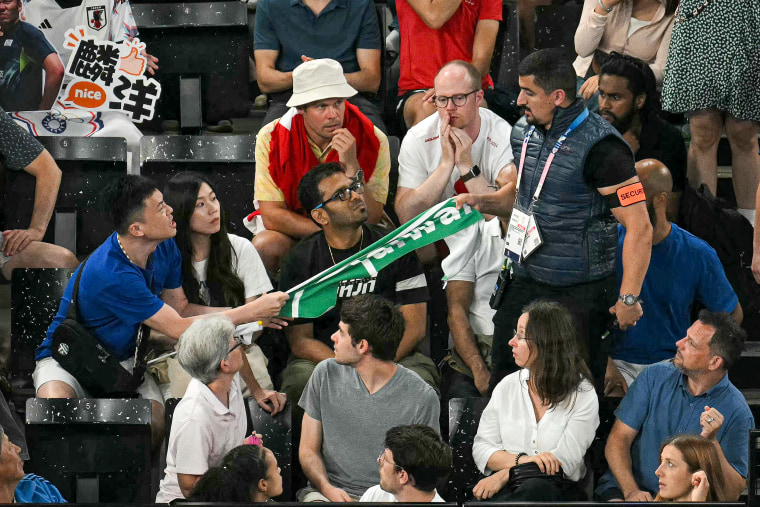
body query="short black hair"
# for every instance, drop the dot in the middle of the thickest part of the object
(420, 451)
(377, 320)
(552, 69)
(640, 78)
(308, 188)
(728, 340)
(125, 200)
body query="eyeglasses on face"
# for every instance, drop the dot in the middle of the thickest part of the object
(239, 343)
(382, 458)
(344, 194)
(459, 99)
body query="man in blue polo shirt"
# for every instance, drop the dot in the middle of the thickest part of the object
(683, 270)
(290, 32)
(134, 278)
(690, 395)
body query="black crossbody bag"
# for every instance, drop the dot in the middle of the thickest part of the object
(92, 364)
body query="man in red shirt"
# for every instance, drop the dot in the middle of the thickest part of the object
(434, 32)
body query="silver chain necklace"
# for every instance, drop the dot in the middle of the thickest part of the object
(122, 248)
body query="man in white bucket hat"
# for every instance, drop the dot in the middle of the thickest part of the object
(321, 126)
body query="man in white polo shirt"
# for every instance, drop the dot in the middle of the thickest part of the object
(463, 148)
(210, 420)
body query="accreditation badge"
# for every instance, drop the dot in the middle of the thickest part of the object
(518, 227)
(532, 237)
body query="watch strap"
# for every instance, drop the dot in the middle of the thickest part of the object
(474, 173)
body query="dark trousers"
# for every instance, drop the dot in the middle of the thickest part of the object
(541, 490)
(589, 303)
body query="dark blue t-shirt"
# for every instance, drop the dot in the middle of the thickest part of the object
(115, 295)
(23, 49)
(683, 269)
(290, 27)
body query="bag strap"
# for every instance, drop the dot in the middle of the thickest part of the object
(72, 312)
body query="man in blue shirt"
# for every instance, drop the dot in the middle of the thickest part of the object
(290, 32)
(134, 278)
(683, 270)
(690, 395)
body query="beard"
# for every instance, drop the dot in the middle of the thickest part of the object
(652, 214)
(621, 123)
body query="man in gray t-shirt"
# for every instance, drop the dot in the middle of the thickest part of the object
(351, 401)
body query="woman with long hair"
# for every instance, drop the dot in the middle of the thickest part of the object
(690, 471)
(218, 269)
(248, 473)
(546, 414)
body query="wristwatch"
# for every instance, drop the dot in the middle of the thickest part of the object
(629, 299)
(474, 173)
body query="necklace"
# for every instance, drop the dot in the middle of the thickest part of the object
(122, 248)
(361, 244)
(695, 12)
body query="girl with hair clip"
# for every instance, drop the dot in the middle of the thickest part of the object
(541, 419)
(218, 269)
(247, 474)
(690, 471)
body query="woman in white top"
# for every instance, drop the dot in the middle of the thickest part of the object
(218, 269)
(546, 413)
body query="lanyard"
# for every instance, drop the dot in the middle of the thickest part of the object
(578, 120)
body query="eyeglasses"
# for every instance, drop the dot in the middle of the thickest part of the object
(522, 338)
(344, 194)
(459, 99)
(381, 458)
(239, 343)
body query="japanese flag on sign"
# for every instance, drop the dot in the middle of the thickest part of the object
(105, 76)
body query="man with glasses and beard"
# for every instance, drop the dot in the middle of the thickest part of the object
(337, 205)
(462, 148)
(629, 100)
(683, 270)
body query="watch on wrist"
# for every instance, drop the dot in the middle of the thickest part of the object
(629, 299)
(474, 173)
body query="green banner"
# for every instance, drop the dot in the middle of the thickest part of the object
(318, 294)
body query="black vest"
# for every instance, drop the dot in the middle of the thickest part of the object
(578, 230)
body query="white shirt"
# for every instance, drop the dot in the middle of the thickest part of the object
(421, 153)
(377, 494)
(247, 265)
(203, 431)
(509, 424)
(482, 268)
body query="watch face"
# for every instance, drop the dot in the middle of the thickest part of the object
(629, 299)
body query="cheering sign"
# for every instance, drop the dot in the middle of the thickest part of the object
(108, 76)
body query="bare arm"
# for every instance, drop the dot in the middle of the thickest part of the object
(53, 77)
(483, 44)
(435, 13)
(303, 344)
(498, 203)
(459, 295)
(367, 79)
(414, 331)
(618, 454)
(48, 179)
(738, 313)
(310, 456)
(756, 240)
(734, 481)
(187, 483)
(277, 217)
(269, 78)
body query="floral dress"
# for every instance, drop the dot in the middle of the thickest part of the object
(714, 58)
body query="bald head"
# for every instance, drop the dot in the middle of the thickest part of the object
(655, 177)
(458, 70)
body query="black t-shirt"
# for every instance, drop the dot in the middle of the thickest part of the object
(402, 282)
(662, 141)
(23, 50)
(609, 163)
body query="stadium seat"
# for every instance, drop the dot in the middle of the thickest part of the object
(464, 417)
(35, 297)
(278, 437)
(93, 450)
